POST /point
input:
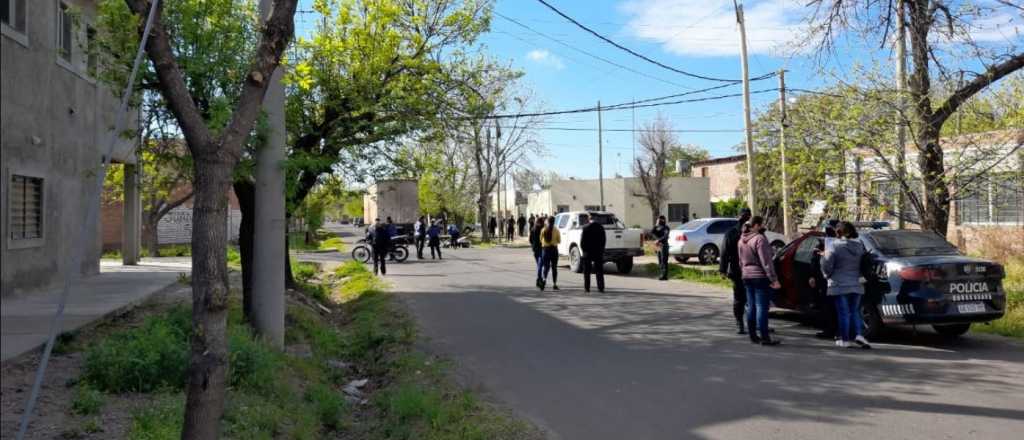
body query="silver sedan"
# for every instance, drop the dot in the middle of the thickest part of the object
(703, 238)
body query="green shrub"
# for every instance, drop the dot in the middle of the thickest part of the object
(151, 356)
(252, 363)
(305, 271)
(333, 243)
(161, 420)
(350, 268)
(328, 403)
(234, 257)
(87, 400)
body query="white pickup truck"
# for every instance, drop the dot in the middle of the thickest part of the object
(621, 246)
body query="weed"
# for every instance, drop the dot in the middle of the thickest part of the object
(677, 272)
(234, 257)
(151, 356)
(87, 400)
(161, 420)
(333, 243)
(305, 271)
(252, 363)
(92, 426)
(328, 404)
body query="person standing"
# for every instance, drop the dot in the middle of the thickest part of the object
(592, 242)
(729, 267)
(420, 234)
(521, 223)
(535, 246)
(453, 236)
(759, 279)
(510, 229)
(549, 240)
(819, 286)
(381, 245)
(434, 236)
(493, 227)
(660, 233)
(841, 264)
(530, 222)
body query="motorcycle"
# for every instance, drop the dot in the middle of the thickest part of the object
(399, 251)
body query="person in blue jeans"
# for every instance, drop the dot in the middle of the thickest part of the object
(538, 254)
(759, 279)
(841, 265)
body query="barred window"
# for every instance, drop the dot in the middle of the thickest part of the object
(997, 199)
(678, 212)
(12, 14)
(26, 207)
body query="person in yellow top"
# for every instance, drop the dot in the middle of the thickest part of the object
(549, 239)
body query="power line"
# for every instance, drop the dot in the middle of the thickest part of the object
(643, 57)
(641, 130)
(623, 106)
(597, 57)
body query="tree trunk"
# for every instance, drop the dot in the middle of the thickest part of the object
(289, 279)
(485, 229)
(245, 190)
(208, 359)
(151, 236)
(936, 210)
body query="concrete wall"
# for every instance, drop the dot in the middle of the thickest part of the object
(56, 120)
(724, 178)
(398, 199)
(622, 196)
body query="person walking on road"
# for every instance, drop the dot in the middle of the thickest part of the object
(660, 233)
(381, 245)
(493, 227)
(592, 242)
(434, 236)
(549, 240)
(841, 264)
(729, 267)
(535, 246)
(759, 279)
(420, 234)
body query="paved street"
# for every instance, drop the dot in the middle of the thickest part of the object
(655, 360)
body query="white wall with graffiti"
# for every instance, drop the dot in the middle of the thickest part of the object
(176, 226)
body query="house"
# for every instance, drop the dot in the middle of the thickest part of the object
(57, 122)
(508, 201)
(395, 198)
(724, 176)
(987, 185)
(624, 196)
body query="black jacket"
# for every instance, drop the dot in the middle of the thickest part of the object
(729, 261)
(535, 241)
(381, 239)
(660, 232)
(593, 240)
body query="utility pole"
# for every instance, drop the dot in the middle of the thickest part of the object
(786, 230)
(901, 131)
(269, 254)
(751, 186)
(600, 156)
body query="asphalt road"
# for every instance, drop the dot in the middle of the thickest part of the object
(660, 360)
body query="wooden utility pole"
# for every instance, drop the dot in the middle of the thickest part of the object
(901, 131)
(751, 186)
(786, 229)
(600, 156)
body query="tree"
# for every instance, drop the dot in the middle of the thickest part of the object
(926, 119)
(686, 153)
(445, 188)
(656, 144)
(215, 152)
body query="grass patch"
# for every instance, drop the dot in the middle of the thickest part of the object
(1011, 324)
(332, 244)
(297, 242)
(87, 400)
(677, 272)
(149, 357)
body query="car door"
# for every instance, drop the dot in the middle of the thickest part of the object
(716, 232)
(795, 266)
(562, 223)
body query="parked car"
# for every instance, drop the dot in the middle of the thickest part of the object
(703, 238)
(917, 278)
(622, 243)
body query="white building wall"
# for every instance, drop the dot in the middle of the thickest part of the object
(176, 226)
(623, 197)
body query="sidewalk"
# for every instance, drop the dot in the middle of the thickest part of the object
(26, 318)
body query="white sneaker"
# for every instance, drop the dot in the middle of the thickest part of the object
(862, 342)
(841, 343)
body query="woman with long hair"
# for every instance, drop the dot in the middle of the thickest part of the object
(759, 278)
(549, 239)
(535, 227)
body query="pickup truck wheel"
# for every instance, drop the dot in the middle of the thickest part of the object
(952, 330)
(624, 265)
(708, 254)
(575, 260)
(680, 259)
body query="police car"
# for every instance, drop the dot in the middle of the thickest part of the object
(917, 278)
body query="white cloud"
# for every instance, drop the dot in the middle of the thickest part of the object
(708, 27)
(543, 57)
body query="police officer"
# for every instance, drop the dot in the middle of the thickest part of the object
(592, 243)
(660, 233)
(729, 267)
(381, 242)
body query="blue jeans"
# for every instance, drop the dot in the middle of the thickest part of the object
(539, 258)
(759, 296)
(848, 313)
(550, 262)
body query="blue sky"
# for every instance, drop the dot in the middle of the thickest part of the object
(698, 36)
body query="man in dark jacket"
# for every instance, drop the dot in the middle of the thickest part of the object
(381, 243)
(493, 226)
(592, 242)
(729, 267)
(661, 233)
(521, 224)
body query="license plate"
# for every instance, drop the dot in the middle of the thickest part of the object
(971, 307)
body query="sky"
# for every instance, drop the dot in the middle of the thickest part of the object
(567, 68)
